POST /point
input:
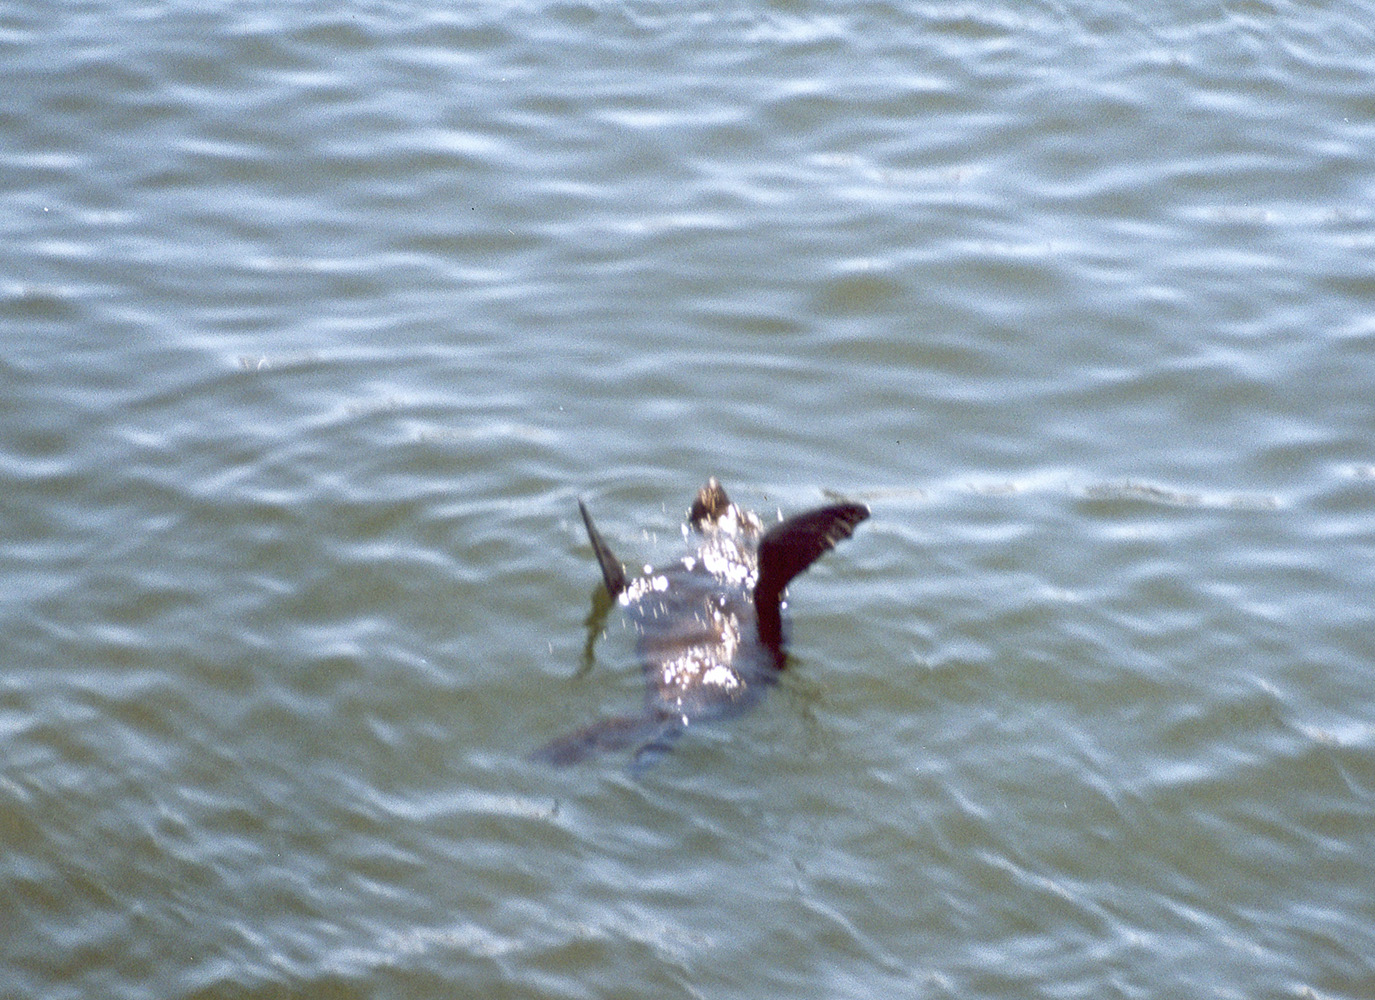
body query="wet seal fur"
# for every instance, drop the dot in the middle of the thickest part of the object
(709, 628)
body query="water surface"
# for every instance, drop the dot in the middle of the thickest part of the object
(316, 321)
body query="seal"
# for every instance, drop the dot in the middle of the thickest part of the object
(709, 628)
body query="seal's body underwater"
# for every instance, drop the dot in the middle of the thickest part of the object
(709, 628)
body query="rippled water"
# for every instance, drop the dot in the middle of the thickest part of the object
(316, 320)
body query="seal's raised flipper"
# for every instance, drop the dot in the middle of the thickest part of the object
(790, 547)
(653, 734)
(613, 573)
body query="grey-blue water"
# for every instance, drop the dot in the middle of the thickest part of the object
(317, 319)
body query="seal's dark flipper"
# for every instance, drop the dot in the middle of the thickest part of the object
(613, 573)
(649, 731)
(790, 547)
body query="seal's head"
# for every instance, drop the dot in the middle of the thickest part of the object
(710, 506)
